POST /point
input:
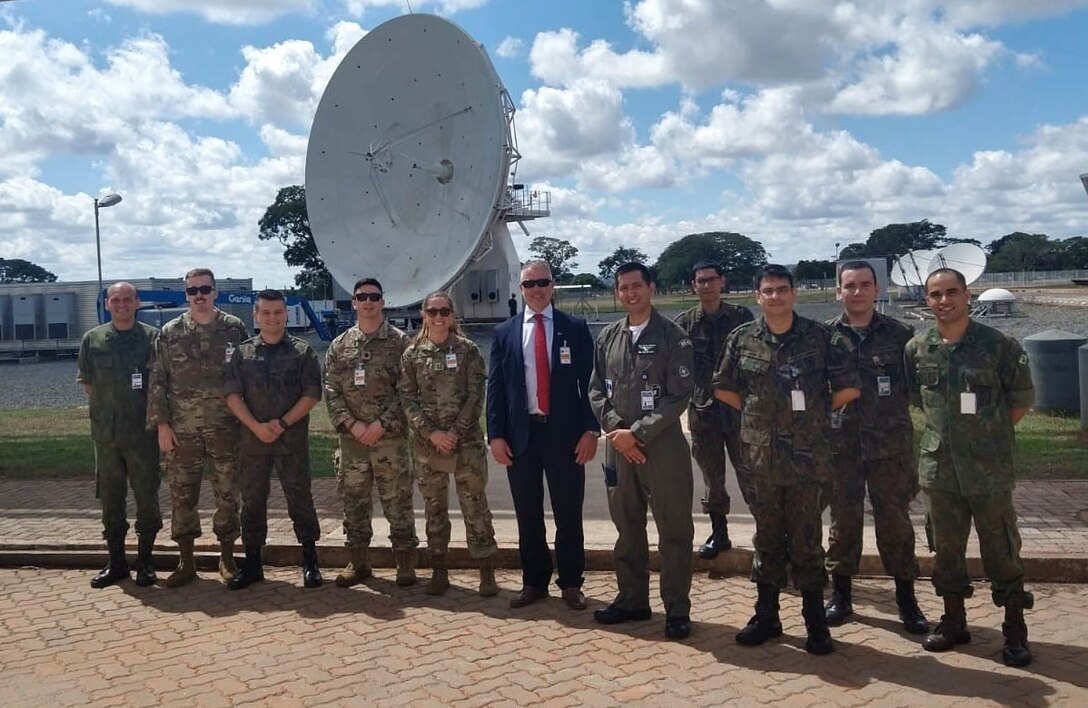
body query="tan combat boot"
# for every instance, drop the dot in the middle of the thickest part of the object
(227, 567)
(186, 569)
(488, 586)
(440, 577)
(357, 570)
(406, 568)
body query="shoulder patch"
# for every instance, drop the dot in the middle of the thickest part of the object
(1024, 359)
(683, 371)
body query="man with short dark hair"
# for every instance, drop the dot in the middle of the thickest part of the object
(714, 426)
(973, 385)
(273, 382)
(641, 384)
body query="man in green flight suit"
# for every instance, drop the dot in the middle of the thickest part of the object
(973, 384)
(113, 363)
(642, 381)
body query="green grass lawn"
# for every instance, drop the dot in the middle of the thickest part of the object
(55, 443)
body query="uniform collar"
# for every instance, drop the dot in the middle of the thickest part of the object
(381, 333)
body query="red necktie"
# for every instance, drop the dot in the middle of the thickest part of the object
(543, 372)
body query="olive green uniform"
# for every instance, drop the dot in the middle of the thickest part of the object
(785, 383)
(114, 363)
(715, 427)
(442, 387)
(644, 386)
(361, 375)
(873, 444)
(966, 459)
(271, 378)
(188, 372)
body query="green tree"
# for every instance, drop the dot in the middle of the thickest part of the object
(853, 250)
(739, 255)
(287, 222)
(1020, 251)
(558, 253)
(588, 279)
(814, 270)
(16, 270)
(607, 266)
(1074, 253)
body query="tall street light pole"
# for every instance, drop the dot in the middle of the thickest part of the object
(106, 201)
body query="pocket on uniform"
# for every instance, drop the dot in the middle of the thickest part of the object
(753, 430)
(929, 375)
(610, 475)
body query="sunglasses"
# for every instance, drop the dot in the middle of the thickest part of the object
(537, 283)
(363, 297)
(439, 311)
(202, 289)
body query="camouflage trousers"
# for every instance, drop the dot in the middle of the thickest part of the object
(950, 515)
(713, 433)
(892, 484)
(389, 464)
(469, 469)
(116, 467)
(294, 473)
(789, 533)
(184, 468)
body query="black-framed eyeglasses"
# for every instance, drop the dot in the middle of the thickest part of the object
(439, 311)
(536, 283)
(202, 289)
(708, 281)
(363, 297)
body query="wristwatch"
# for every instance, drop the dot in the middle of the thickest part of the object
(283, 424)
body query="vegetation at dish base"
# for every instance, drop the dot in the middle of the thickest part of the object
(286, 221)
(16, 270)
(55, 443)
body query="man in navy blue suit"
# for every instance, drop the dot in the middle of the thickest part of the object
(540, 425)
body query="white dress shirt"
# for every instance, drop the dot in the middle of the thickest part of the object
(528, 348)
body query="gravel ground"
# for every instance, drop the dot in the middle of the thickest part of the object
(51, 384)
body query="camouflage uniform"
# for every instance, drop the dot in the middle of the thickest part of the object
(271, 378)
(873, 444)
(966, 461)
(187, 375)
(715, 427)
(644, 387)
(787, 453)
(361, 374)
(442, 387)
(114, 363)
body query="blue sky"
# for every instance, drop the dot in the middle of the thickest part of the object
(800, 124)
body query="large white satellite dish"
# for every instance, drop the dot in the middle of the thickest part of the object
(408, 159)
(909, 270)
(967, 258)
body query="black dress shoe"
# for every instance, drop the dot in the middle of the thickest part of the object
(677, 627)
(574, 598)
(615, 615)
(527, 596)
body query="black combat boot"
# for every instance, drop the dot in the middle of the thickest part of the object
(812, 609)
(765, 624)
(311, 573)
(841, 604)
(1016, 652)
(252, 570)
(116, 568)
(718, 540)
(909, 613)
(951, 630)
(145, 567)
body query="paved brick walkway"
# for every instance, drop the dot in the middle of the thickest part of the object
(279, 645)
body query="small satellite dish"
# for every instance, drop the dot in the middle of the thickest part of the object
(997, 295)
(909, 269)
(408, 159)
(1084, 181)
(967, 258)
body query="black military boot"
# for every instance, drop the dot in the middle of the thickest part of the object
(765, 624)
(1016, 652)
(909, 613)
(116, 568)
(841, 604)
(951, 630)
(252, 570)
(718, 540)
(812, 609)
(311, 573)
(145, 567)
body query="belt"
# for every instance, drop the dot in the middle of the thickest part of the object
(538, 418)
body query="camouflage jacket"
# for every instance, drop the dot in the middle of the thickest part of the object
(442, 387)
(971, 453)
(115, 365)
(361, 376)
(781, 444)
(708, 335)
(271, 378)
(878, 424)
(188, 370)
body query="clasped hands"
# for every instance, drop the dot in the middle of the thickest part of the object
(626, 444)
